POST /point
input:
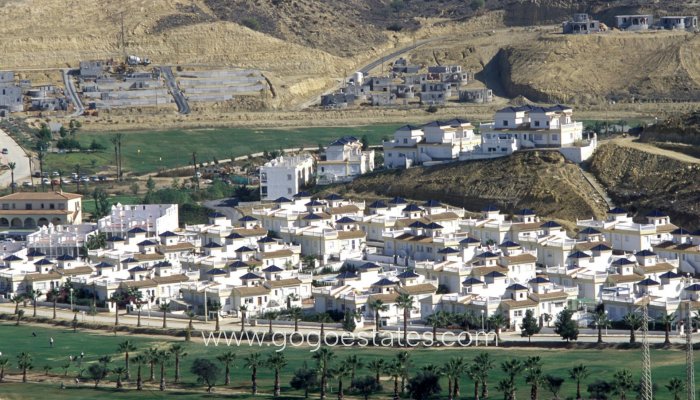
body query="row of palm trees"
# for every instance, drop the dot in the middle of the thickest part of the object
(424, 383)
(634, 321)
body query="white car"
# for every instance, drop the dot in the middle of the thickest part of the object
(26, 184)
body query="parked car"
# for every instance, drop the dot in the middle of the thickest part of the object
(46, 181)
(26, 184)
(55, 173)
(94, 178)
(4, 151)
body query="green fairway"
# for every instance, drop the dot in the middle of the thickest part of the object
(89, 203)
(148, 151)
(601, 363)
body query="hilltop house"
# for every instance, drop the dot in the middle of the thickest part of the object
(285, 176)
(634, 22)
(344, 160)
(581, 24)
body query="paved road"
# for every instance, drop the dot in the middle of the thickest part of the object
(369, 67)
(72, 93)
(14, 154)
(180, 99)
(632, 143)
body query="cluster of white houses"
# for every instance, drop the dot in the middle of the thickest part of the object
(582, 23)
(364, 255)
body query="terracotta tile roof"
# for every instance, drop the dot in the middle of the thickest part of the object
(43, 277)
(421, 288)
(411, 238)
(277, 254)
(526, 226)
(164, 280)
(251, 232)
(176, 247)
(350, 208)
(387, 298)
(35, 212)
(284, 282)
(481, 271)
(625, 278)
(560, 295)
(149, 256)
(519, 304)
(589, 245)
(77, 271)
(685, 247)
(666, 228)
(41, 196)
(140, 284)
(248, 291)
(356, 234)
(521, 259)
(659, 267)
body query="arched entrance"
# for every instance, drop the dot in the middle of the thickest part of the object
(42, 221)
(29, 223)
(4, 223)
(16, 223)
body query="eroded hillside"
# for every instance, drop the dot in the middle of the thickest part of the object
(543, 181)
(641, 181)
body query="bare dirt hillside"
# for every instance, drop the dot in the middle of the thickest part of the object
(641, 181)
(543, 181)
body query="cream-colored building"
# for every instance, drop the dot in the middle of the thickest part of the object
(29, 210)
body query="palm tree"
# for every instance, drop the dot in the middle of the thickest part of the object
(4, 364)
(600, 319)
(498, 321)
(295, 313)
(115, 298)
(152, 359)
(227, 359)
(119, 371)
(243, 310)
(178, 352)
(453, 370)
(340, 372)
(24, 362)
(622, 383)
(404, 360)
(378, 306)
(675, 386)
(323, 359)
(579, 373)
(54, 297)
(633, 321)
(135, 296)
(473, 373)
(484, 363)
(17, 299)
(323, 318)
(126, 347)
(165, 309)
(437, 320)
(34, 294)
(140, 360)
(405, 302)
(269, 316)
(276, 361)
(253, 362)
(534, 376)
(20, 314)
(378, 366)
(667, 320)
(355, 363)
(395, 371)
(12, 167)
(163, 357)
(512, 367)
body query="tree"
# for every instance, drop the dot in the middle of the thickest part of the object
(304, 378)
(295, 313)
(676, 386)
(341, 371)
(150, 184)
(600, 319)
(453, 370)
(17, 299)
(534, 376)
(424, 385)
(323, 318)
(276, 361)
(405, 302)
(622, 383)
(269, 316)
(484, 365)
(378, 306)
(323, 359)
(578, 374)
(165, 309)
(349, 320)
(34, 294)
(565, 326)
(12, 166)
(24, 363)
(178, 352)
(477, 4)
(512, 368)
(97, 372)
(497, 322)
(119, 372)
(47, 368)
(162, 357)
(404, 361)
(20, 314)
(530, 326)
(633, 321)
(227, 359)
(243, 310)
(437, 320)
(667, 320)
(553, 384)
(253, 362)
(600, 389)
(378, 366)
(54, 293)
(116, 140)
(366, 386)
(472, 371)
(206, 371)
(126, 347)
(365, 142)
(355, 363)
(395, 371)
(140, 360)
(116, 298)
(4, 364)
(135, 296)
(152, 358)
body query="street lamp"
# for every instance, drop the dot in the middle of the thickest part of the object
(606, 325)
(71, 299)
(482, 320)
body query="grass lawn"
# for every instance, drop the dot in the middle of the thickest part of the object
(601, 363)
(147, 151)
(89, 203)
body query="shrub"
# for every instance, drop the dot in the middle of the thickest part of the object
(395, 27)
(251, 23)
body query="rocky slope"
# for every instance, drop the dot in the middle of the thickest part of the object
(543, 181)
(640, 182)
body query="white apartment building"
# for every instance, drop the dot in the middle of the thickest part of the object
(344, 159)
(432, 143)
(153, 219)
(284, 176)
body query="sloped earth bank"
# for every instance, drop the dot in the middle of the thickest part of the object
(541, 180)
(640, 182)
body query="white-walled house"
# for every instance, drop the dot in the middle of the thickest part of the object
(285, 175)
(344, 160)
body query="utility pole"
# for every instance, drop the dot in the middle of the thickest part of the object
(123, 35)
(689, 362)
(646, 389)
(194, 162)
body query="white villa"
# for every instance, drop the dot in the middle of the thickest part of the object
(285, 176)
(344, 160)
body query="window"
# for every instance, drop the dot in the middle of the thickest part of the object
(52, 206)
(555, 137)
(289, 177)
(505, 122)
(28, 206)
(518, 313)
(405, 140)
(537, 123)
